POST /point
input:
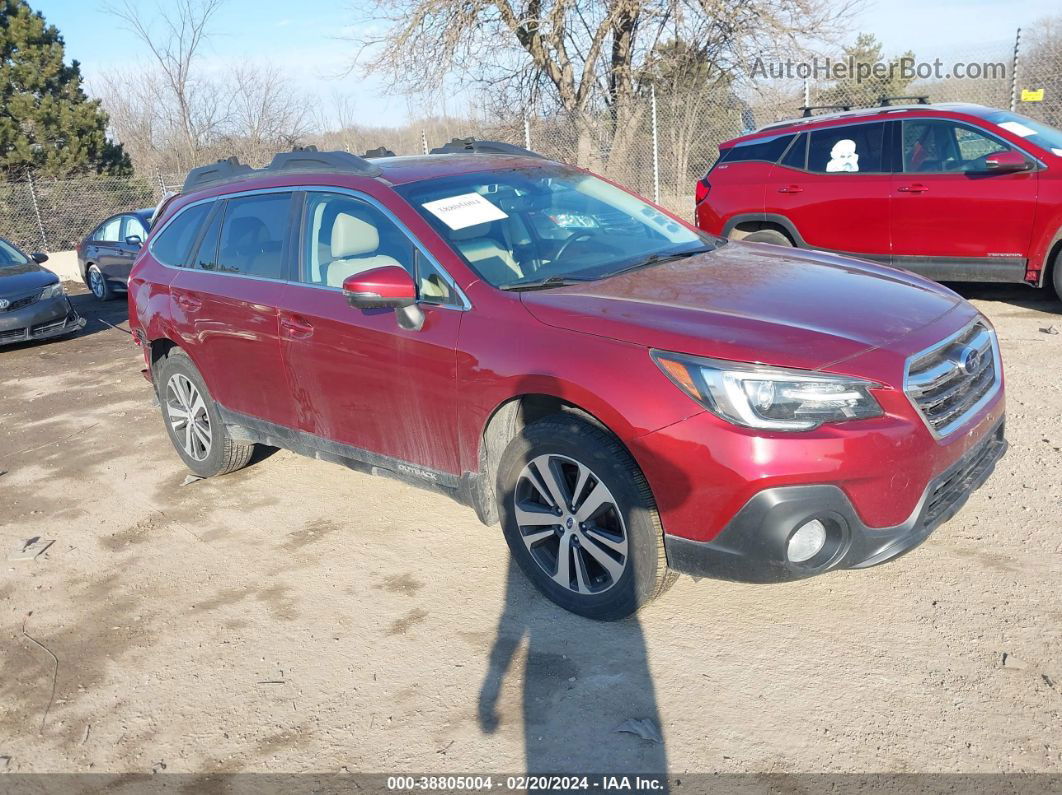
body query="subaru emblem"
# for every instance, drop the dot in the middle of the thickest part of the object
(970, 360)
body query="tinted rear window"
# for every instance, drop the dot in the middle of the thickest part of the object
(253, 235)
(765, 149)
(173, 243)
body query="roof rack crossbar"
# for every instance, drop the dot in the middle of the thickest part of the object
(921, 99)
(471, 145)
(299, 160)
(805, 111)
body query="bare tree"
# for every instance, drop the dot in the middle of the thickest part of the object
(577, 56)
(175, 40)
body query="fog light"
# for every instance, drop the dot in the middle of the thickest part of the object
(807, 541)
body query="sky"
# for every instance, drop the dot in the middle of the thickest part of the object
(306, 39)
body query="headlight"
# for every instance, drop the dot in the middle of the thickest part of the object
(771, 398)
(51, 291)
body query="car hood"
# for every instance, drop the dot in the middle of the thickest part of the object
(16, 280)
(752, 302)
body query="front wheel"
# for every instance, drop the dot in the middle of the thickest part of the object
(580, 520)
(192, 420)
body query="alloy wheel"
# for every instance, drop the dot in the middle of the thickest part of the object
(96, 283)
(188, 417)
(570, 523)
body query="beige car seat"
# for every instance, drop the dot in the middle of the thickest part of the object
(493, 262)
(354, 245)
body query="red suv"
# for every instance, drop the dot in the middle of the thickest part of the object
(630, 397)
(953, 192)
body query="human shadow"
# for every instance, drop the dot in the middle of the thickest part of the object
(582, 680)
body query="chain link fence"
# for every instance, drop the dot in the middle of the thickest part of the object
(659, 146)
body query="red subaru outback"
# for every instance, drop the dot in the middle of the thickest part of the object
(953, 192)
(627, 395)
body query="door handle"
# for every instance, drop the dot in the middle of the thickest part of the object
(296, 328)
(790, 189)
(916, 188)
(188, 303)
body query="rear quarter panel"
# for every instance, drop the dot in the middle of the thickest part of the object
(737, 189)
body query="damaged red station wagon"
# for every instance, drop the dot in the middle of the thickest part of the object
(629, 396)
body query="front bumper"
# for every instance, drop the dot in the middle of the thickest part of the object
(53, 317)
(752, 546)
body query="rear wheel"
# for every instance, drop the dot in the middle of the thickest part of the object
(97, 283)
(580, 520)
(772, 236)
(193, 422)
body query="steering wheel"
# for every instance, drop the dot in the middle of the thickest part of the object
(583, 235)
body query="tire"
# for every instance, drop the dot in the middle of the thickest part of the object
(206, 447)
(97, 283)
(1056, 275)
(772, 236)
(603, 581)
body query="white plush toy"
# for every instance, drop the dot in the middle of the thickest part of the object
(843, 156)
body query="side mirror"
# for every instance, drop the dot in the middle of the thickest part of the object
(1007, 162)
(389, 286)
(39, 257)
(134, 240)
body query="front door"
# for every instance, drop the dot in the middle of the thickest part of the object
(358, 378)
(951, 218)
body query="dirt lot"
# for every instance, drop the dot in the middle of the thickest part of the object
(297, 616)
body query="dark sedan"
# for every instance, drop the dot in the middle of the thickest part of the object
(107, 252)
(33, 304)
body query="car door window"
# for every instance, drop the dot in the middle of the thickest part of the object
(110, 230)
(206, 255)
(254, 235)
(131, 225)
(855, 148)
(940, 146)
(797, 155)
(345, 236)
(171, 246)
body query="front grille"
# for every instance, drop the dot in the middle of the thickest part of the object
(950, 381)
(21, 302)
(951, 489)
(46, 328)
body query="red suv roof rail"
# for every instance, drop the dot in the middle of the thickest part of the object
(298, 160)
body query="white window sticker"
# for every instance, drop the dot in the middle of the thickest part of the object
(1057, 152)
(1018, 128)
(465, 210)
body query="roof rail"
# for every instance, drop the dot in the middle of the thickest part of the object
(380, 151)
(466, 145)
(805, 111)
(921, 99)
(298, 160)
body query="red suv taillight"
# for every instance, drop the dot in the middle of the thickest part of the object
(703, 186)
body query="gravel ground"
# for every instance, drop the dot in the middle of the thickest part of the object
(296, 616)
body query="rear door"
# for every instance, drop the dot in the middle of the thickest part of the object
(225, 304)
(108, 254)
(358, 378)
(950, 217)
(833, 186)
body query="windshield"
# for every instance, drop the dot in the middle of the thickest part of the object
(9, 255)
(1043, 135)
(548, 225)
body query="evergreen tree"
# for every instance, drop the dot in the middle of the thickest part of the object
(47, 123)
(867, 51)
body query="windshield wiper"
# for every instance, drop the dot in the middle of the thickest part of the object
(543, 284)
(656, 259)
